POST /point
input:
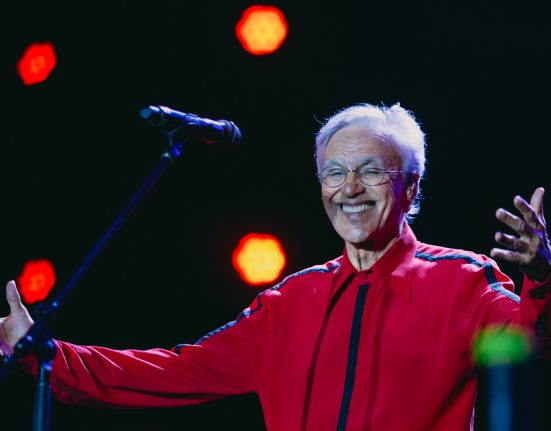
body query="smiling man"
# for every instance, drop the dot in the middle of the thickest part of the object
(366, 191)
(379, 338)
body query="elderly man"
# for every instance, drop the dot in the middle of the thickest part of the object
(378, 338)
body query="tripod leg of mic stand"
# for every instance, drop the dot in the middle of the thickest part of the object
(45, 353)
(42, 401)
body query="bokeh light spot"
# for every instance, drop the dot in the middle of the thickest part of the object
(261, 29)
(36, 64)
(499, 345)
(36, 280)
(259, 258)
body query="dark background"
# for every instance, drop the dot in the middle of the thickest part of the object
(74, 149)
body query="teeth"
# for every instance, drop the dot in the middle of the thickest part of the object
(356, 208)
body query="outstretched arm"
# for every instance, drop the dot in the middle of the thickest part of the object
(224, 363)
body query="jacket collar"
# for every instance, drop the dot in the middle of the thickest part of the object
(394, 267)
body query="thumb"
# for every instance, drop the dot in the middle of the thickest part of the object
(13, 297)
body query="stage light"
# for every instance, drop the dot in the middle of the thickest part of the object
(259, 258)
(498, 345)
(36, 63)
(36, 280)
(261, 29)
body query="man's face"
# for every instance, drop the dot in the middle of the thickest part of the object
(365, 215)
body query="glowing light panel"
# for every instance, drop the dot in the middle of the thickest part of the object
(496, 345)
(261, 29)
(259, 258)
(36, 280)
(36, 63)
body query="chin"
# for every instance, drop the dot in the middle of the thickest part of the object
(366, 239)
(356, 238)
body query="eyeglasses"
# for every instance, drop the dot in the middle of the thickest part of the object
(335, 176)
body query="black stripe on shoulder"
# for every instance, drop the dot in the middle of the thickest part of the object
(489, 271)
(247, 312)
(178, 348)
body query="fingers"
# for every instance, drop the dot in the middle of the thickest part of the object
(510, 241)
(536, 202)
(13, 297)
(508, 255)
(511, 220)
(529, 247)
(529, 213)
(532, 214)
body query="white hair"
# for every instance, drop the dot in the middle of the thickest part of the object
(395, 124)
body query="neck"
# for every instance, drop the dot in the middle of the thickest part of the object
(363, 256)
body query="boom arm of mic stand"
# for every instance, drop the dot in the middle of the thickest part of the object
(38, 340)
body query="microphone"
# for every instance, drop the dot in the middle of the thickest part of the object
(191, 127)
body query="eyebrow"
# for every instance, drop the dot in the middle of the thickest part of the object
(362, 161)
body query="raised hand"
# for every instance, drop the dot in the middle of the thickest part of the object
(16, 324)
(529, 248)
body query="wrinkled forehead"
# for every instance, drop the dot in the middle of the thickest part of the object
(358, 145)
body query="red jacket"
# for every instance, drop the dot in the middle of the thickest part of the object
(330, 348)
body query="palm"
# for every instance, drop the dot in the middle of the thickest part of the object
(530, 247)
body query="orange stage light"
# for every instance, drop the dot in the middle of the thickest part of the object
(36, 280)
(259, 258)
(261, 29)
(36, 63)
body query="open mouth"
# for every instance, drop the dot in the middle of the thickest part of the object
(355, 209)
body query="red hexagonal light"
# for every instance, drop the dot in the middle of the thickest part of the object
(259, 258)
(36, 280)
(261, 29)
(36, 63)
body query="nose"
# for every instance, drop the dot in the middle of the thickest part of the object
(352, 185)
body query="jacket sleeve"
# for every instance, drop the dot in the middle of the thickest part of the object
(497, 303)
(535, 314)
(224, 362)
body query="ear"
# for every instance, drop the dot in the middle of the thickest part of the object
(411, 191)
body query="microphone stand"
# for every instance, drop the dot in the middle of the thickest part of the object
(38, 339)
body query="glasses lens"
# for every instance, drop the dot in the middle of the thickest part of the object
(372, 177)
(333, 177)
